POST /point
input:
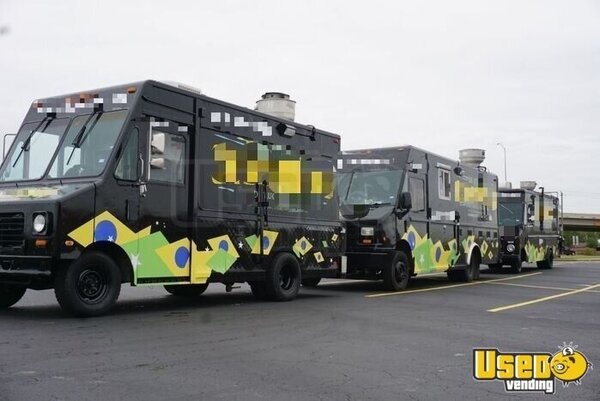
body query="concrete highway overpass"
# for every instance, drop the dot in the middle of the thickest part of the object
(581, 222)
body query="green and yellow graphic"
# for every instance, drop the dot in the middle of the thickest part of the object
(301, 247)
(436, 257)
(153, 256)
(430, 257)
(268, 240)
(535, 253)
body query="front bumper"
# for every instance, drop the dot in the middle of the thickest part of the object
(367, 265)
(26, 270)
(509, 258)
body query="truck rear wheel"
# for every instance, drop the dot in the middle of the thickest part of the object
(186, 291)
(397, 274)
(10, 294)
(468, 274)
(258, 290)
(283, 278)
(547, 263)
(90, 286)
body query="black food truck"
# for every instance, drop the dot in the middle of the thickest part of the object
(155, 184)
(408, 211)
(529, 227)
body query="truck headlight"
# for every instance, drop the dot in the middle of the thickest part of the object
(39, 223)
(367, 231)
(510, 247)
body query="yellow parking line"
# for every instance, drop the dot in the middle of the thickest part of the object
(543, 299)
(387, 294)
(348, 281)
(541, 287)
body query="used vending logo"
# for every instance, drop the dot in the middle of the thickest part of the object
(526, 372)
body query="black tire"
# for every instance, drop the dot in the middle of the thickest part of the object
(186, 291)
(469, 273)
(283, 278)
(516, 266)
(495, 267)
(89, 286)
(548, 263)
(10, 295)
(397, 273)
(258, 290)
(311, 282)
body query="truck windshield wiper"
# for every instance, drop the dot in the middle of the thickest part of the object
(80, 138)
(27, 142)
(349, 185)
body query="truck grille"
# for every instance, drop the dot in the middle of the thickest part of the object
(11, 230)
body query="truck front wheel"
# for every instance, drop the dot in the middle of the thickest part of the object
(89, 286)
(10, 295)
(516, 265)
(397, 274)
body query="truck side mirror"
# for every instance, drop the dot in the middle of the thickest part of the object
(5, 148)
(405, 201)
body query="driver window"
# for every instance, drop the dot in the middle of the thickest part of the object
(167, 152)
(444, 186)
(127, 169)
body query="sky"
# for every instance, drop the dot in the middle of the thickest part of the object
(440, 75)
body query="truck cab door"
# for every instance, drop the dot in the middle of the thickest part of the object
(163, 215)
(415, 223)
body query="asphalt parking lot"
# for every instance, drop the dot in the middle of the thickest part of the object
(346, 340)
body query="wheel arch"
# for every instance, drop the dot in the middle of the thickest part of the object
(474, 250)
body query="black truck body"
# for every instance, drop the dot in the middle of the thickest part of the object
(408, 211)
(156, 184)
(529, 228)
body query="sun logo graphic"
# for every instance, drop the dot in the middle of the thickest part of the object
(569, 365)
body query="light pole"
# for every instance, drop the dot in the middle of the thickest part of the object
(503, 148)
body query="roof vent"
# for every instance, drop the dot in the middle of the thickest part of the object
(277, 104)
(471, 157)
(528, 185)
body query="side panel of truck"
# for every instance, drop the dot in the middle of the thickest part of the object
(196, 217)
